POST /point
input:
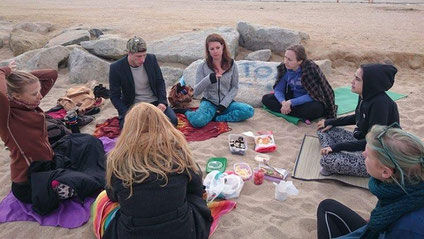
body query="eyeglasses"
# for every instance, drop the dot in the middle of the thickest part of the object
(379, 139)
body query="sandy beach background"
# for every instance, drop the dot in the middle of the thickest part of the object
(346, 33)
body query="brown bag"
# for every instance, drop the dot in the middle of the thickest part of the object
(80, 97)
(180, 96)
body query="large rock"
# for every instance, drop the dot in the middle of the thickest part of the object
(171, 75)
(5, 29)
(69, 38)
(111, 48)
(261, 55)
(325, 66)
(84, 67)
(188, 47)
(256, 79)
(255, 37)
(36, 27)
(49, 58)
(21, 41)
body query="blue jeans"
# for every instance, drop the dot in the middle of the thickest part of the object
(206, 112)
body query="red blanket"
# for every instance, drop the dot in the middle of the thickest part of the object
(110, 129)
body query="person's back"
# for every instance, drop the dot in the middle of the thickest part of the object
(157, 199)
(153, 177)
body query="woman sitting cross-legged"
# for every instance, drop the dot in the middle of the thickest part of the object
(301, 89)
(341, 149)
(217, 78)
(395, 161)
(152, 175)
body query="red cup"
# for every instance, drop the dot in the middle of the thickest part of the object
(258, 177)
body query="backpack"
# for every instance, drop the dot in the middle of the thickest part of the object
(180, 96)
(56, 129)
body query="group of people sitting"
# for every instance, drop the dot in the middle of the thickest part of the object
(151, 171)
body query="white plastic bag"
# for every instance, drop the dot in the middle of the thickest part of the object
(222, 185)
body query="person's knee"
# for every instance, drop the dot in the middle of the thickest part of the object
(324, 205)
(265, 99)
(198, 120)
(248, 112)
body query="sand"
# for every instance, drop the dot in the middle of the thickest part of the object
(347, 33)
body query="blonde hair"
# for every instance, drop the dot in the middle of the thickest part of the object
(148, 143)
(399, 150)
(17, 80)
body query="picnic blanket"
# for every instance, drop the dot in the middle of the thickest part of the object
(104, 210)
(70, 213)
(110, 129)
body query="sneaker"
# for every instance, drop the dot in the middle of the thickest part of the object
(84, 120)
(324, 172)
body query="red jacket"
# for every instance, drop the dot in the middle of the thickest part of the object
(23, 129)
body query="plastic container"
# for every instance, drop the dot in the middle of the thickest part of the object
(219, 164)
(243, 170)
(237, 144)
(260, 158)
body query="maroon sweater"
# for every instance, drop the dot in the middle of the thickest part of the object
(23, 129)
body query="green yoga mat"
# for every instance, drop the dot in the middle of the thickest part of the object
(345, 99)
(291, 119)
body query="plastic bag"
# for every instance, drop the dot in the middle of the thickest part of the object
(222, 185)
(265, 142)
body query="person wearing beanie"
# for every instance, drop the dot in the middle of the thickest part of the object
(341, 149)
(136, 78)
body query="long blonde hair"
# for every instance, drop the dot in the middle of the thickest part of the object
(148, 143)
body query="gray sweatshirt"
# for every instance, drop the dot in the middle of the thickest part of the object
(227, 85)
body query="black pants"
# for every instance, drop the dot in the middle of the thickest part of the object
(335, 219)
(310, 110)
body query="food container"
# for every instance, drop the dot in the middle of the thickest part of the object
(219, 164)
(260, 158)
(237, 144)
(243, 170)
(258, 177)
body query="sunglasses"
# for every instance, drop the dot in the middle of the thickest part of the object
(379, 139)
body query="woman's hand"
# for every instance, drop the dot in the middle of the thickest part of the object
(12, 65)
(286, 107)
(326, 150)
(321, 125)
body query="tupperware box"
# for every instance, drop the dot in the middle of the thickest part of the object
(237, 144)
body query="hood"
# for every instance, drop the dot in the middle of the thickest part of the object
(377, 78)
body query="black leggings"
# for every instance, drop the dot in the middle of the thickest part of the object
(335, 219)
(309, 110)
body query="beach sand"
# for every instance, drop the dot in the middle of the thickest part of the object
(347, 33)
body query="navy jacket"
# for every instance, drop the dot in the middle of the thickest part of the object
(121, 83)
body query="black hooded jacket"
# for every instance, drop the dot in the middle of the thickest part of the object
(375, 106)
